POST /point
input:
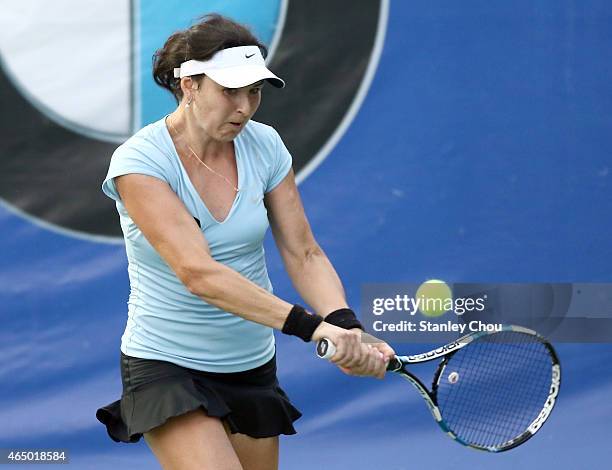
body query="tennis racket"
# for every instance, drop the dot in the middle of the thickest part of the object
(492, 391)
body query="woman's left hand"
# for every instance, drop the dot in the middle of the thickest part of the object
(378, 344)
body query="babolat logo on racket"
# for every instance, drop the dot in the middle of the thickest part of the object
(552, 397)
(322, 347)
(436, 352)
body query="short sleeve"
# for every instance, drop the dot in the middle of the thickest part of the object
(280, 165)
(127, 160)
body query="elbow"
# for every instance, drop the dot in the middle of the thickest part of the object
(312, 252)
(199, 279)
(305, 256)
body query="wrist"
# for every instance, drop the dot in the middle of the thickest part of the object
(344, 318)
(301, 324)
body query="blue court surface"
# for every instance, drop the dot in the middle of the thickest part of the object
(476, 147)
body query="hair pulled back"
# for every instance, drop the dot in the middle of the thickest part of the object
(201, 41)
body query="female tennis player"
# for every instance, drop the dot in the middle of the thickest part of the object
(196, 192)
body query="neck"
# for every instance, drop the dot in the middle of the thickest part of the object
(194, 136)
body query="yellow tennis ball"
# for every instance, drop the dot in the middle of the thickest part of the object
(435, 298)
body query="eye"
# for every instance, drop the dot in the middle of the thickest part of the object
(255, 91)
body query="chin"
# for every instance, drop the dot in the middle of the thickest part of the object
(228, 137)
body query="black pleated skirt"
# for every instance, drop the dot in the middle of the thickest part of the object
(251, 402)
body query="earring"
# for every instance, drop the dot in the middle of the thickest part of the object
(189, 101)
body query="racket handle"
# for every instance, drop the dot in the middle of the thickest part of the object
(326, 349)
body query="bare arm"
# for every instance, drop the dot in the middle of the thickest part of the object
(172, 231)
(310, 270)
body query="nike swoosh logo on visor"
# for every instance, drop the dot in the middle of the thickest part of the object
(249, 56)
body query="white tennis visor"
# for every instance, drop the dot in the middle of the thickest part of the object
(234, 67)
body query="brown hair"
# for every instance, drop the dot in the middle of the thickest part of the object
(201, 41)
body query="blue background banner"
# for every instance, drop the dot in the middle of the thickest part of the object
(477, 150)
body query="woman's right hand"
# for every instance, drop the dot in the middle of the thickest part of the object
(352, 356)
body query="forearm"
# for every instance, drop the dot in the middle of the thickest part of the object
(316, 280)
(230, 291)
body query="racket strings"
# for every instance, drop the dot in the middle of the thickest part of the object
(507, 410)
(482, 431)
(487, 398)
(487, 433)
(501, 384)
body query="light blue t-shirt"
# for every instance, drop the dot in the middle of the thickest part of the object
(166, 321)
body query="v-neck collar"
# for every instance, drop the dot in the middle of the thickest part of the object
(192, 186)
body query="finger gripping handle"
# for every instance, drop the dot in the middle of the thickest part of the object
(326, 349)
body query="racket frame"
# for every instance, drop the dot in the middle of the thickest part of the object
(326, 349)
(399, 363)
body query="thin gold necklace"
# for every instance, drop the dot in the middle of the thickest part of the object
(200, 160)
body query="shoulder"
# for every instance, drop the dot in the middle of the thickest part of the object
(148, 152)
(150, 142)
(273, 157)
(260, 134)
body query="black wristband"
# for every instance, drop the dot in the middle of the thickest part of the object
(301, 324)
(344, 318)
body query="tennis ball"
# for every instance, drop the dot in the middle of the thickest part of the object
(435, 298)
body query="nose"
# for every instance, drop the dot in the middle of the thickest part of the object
(243, 104)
